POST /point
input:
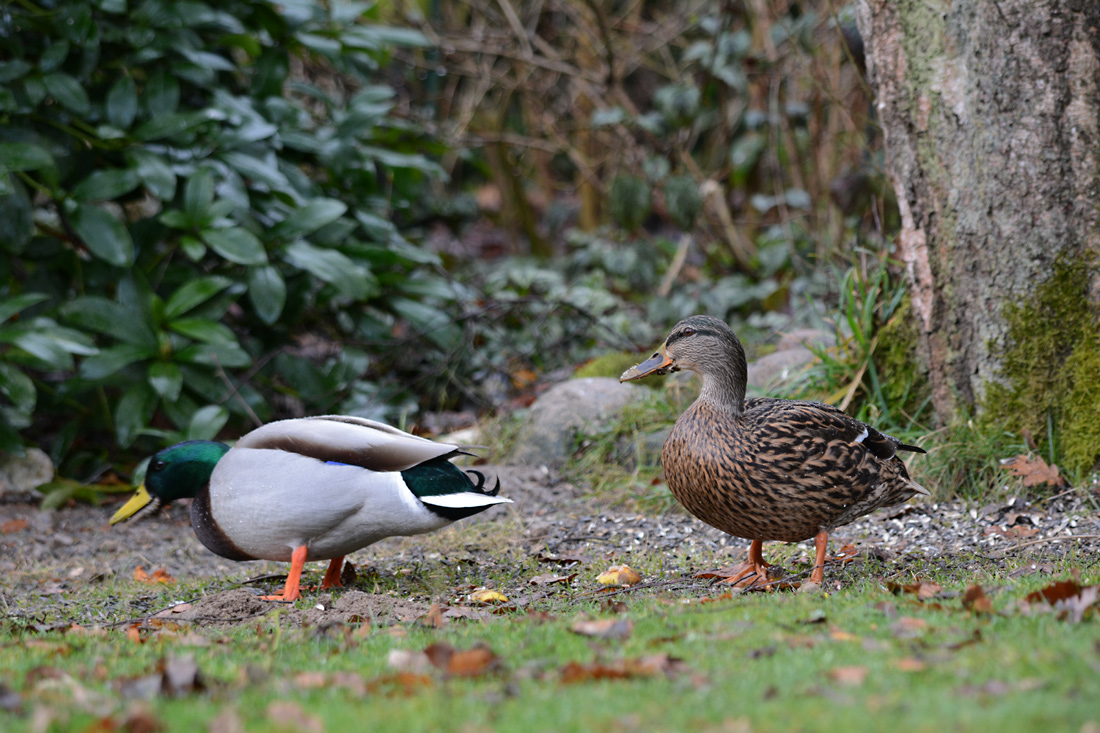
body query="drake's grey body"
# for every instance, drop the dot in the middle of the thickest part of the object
(256, 499)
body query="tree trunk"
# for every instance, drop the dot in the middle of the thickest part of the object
(990, 111)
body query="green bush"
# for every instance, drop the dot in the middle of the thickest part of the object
(188, 214)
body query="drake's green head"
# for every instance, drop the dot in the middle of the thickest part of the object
(177, 472)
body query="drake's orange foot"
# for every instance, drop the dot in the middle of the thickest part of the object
(292, 590)
(332, 575)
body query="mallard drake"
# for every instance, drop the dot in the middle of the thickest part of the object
(314, 488)
(765, 468)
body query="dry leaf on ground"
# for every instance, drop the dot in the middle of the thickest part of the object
(619, 575)
(621, 669)
(848, 676)
(606, 628)
(1072, 600)
(922, 590)
(14, 525)
(158, 576)
(487, 597)
(472, 662)
(1034, 470)
(976, 601)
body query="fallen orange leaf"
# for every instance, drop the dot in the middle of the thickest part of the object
(911, 664)
(14, 525)
(472, 662)
(158, 576)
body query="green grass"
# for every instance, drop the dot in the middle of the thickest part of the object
(763, 661)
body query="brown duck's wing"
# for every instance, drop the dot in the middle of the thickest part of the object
(837, 422)
(344, 439)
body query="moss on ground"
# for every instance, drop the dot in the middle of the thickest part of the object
(1050, 368)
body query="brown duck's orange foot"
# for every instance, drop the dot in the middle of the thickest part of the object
(752, 572)
(292, 591)
(821, 543)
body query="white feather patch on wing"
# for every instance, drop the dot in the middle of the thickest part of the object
(463, 500)
(862, 436)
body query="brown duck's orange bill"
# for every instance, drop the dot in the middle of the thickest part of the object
(659, 363)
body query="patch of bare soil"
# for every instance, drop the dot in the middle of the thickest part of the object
(51, 563)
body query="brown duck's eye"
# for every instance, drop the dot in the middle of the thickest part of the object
(689, 331)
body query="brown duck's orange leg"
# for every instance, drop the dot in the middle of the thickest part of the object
(332, 575)
(291, 590)
(821, 542)
(752, 571)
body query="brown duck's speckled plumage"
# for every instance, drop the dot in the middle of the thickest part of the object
(768, 469)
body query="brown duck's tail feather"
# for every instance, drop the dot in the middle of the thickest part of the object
(913, 448)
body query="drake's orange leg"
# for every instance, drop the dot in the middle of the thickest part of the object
(821, 542)
(332, 575)
(753, 570)
(291, 590)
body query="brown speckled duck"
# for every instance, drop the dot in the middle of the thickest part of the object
(768, 469)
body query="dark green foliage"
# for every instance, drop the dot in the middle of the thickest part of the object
(631, 199)
(180, 206)
(683, 201)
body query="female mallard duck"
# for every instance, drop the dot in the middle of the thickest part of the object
(768, 469)
(314, 488)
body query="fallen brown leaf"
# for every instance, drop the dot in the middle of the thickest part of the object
(404, 683)
(921, 590)
(1057, 591)
(472, 662)
(607, 628)
(619, 575)
(976, 601)
(650, 666)
(433, 618)
(848, 676)
(14, 525)
(1034, 470)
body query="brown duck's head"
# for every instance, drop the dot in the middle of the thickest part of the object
(702, 344)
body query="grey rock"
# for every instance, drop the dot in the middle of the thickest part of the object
(21, 474)
(770, 371)
(589, 404)
(805, 337)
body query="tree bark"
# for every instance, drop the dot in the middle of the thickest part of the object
(990, 111)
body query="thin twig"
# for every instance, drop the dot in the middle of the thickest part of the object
(996, 554)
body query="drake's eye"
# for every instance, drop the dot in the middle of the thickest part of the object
(157, 466)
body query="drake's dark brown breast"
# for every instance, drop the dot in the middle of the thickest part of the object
(781, 470)
(210, 534)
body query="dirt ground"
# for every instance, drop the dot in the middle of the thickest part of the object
(48, 559)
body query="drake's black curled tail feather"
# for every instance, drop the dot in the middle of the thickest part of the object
(479, 487)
